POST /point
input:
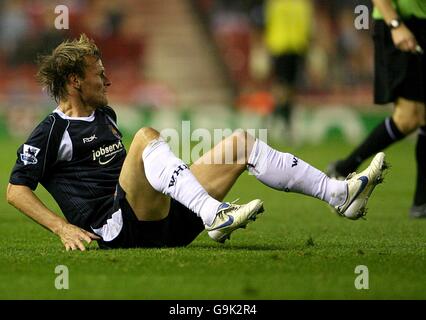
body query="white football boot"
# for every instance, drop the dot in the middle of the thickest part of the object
(360, 186)
(231, 216)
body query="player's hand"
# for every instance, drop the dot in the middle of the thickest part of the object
(72, 237)
(404, 39)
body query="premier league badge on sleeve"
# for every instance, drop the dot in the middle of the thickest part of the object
(29, 154)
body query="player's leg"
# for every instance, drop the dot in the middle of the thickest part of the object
(418, 209)
(152, 174)
(396, 74)
(147, 203)
(278, 170)
(218, 169)
(286, 67)
(408, 115)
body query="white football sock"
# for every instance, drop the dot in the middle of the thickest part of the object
(283, 171)
(171, 176)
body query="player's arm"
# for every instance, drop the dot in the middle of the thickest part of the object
(402, 37)
(24, 199)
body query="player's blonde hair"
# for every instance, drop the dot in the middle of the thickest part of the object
(67, 58)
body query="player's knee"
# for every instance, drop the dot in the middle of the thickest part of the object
(10, 195)
(409, 115)
(408, 123)
(145, 135)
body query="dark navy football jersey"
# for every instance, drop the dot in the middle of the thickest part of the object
(77, 160)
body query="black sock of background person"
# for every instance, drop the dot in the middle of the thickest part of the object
(420, 193)
(385, 134)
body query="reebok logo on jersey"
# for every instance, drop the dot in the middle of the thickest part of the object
(29, 154)
(106, 154)
(295, 161)
(90, 139)
(176, 174)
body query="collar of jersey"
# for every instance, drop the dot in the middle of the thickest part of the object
(64, 116)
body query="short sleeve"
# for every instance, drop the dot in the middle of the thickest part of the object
(31, 163)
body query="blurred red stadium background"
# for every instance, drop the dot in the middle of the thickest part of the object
(184, 53)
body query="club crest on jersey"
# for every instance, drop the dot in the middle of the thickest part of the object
(115, 132)
(29, 154)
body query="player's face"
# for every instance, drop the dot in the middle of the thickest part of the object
(95, 84)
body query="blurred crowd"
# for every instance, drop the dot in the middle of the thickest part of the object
(338, 60)
(338, 63)
(27, 29)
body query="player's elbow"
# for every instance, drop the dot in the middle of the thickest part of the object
(12, 194)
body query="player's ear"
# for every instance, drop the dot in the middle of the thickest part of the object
(74, 81)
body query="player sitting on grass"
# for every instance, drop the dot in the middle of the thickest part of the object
(149, 197)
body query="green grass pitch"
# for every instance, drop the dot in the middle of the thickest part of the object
(297, 249)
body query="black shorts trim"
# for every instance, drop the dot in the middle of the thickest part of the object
(397, 73)
(178, 229)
